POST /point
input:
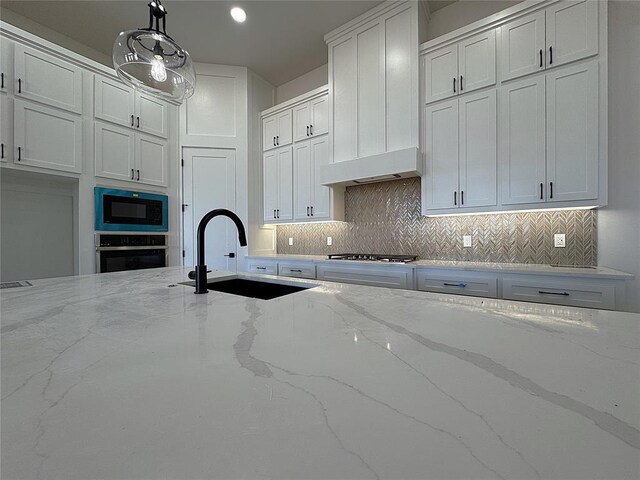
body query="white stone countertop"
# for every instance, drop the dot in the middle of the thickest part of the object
(528, 268)
(119, 376)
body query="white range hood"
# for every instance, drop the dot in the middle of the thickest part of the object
(375, 168)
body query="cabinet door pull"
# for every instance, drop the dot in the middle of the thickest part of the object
(19, 85)
(274, 141)
(19, 153)
(307, 211)
(311, 129)
(274, 213)
(462, 195)
(540, 58)
(563, 294)
(137, 122)
(550, 55)
(550, 189)
(132, 174)
(541, 191)
(307, 130)
(459, 285)
(278, 213)
(138, 175)
(2, 156)
(455, 198)
(454, 84)
(277, 139)
(461, 83)
(132, 120)
(312, 210)
(261, 268)
(295, 270)
(2, 82)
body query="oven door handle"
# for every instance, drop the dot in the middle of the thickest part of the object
(137, 247)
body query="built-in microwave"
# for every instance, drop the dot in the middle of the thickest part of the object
(123, 210)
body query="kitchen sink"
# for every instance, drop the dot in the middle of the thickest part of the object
(253, 288)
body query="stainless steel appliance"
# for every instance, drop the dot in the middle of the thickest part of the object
(117, 252)
(372, 257)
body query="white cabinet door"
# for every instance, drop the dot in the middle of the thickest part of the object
(47, 137)
(285, 184)
(48, 79)
(284, 136)
(301, 122)
(441, 74)
(114, 102)
(114, 152)
(319, 115)
(571, 31)
(270, 187)
(572, 133)
(523, 46)
(6, 145)
(151, 156)
(366, 275)
(269, 132)
(321, 195)
(477, 61)
(370, 116)
(6, 50)
(477, 151)
(302, 180)
(441, 155)
(522, 139)
(343, 58)
(151, 115)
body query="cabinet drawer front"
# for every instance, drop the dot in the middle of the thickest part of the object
(48, 79)
(269, 268)
(560, 291)
(374, 277)
(300, 271)
(472, 284)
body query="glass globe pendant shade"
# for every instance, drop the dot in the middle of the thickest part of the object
(151, 61)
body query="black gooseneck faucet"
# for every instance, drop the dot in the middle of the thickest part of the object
(201, 267)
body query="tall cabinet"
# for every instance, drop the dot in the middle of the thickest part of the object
(296, 146)
(527, 129)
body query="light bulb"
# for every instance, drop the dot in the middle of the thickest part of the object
(238, 14)
(158, 72)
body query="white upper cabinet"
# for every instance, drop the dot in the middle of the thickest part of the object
(6, 51)
(312, 200)
(311, 118)
(47, 137)
(6, 145)
(47, 79)
(277, 130)
(572, 133)
(564, 32)
(572, 31)
(119, 104)
(151, 156)
(323, 206)
(522, 120)
(270, 185)
(278, 185)
(459, 68)
(114, 102)
(302, 181)
(523, 46)
(373, 74)
(477, 62)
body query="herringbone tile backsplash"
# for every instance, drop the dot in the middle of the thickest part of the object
(385, 218)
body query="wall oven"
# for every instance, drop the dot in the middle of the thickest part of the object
(118, 252)
(123, 210)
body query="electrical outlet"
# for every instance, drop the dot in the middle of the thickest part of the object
(559, 240)
(466, 240)
(329, 241)
(290, 240)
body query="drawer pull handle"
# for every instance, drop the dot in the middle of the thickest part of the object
(261, 268)
(296, 271)
(459, 285)
(563, 294)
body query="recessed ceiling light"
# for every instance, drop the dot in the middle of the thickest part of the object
(238, 14)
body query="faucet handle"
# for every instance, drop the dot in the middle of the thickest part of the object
(192, 274)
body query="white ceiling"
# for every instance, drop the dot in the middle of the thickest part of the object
(280, 40)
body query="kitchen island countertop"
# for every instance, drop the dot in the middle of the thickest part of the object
(130, 375)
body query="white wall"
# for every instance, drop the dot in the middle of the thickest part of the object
(303, 84)
(463, 13)
(619, 223)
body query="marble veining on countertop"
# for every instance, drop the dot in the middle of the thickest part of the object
(600, 272)
(130, 375)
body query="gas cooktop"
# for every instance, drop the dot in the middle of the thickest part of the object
(372, 257)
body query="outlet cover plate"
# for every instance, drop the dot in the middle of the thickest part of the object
(329, 241)
(466, 241)
(290, 240)
(559, 240)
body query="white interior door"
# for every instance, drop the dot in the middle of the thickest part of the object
(209, 178)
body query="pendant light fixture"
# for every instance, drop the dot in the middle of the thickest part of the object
(150, 60)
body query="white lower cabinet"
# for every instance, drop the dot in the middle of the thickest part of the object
(476, 284)
(389, 277)
(47, 137)
(267, 267)
(121, 154)
(575, 292)
(297, 269)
